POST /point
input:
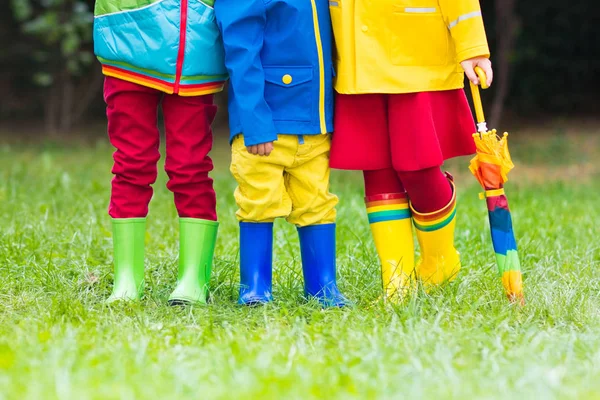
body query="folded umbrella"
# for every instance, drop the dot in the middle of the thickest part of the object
(491, 166)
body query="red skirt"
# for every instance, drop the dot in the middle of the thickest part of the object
(407, 132)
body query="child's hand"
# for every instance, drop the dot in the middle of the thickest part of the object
(484, 63)
(263, 149)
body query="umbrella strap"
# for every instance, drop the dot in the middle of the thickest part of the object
(491, 193)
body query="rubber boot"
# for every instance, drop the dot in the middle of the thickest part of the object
(197, 238)
(128, 243)
(317, 246)
(440, 262)
(391, 225)
(256, 260)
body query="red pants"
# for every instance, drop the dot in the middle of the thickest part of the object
(132, 112)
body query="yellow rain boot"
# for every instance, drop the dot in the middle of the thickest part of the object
(440, 262)
(389, 217)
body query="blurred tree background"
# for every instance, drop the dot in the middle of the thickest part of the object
(546, 55)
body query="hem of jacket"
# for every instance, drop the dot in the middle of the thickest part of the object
(397, 90)
(210, 87)
(288, 128)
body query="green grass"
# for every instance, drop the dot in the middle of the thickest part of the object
(59, 340)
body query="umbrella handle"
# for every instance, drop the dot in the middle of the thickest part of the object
(481, 124)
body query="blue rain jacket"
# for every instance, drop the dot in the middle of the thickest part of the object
(278, 54)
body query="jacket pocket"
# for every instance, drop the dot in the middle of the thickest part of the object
(289, 93)
(420, 37)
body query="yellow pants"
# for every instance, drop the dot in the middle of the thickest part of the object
(292, 182)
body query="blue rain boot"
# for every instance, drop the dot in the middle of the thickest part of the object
(317, 245)
(256, 259)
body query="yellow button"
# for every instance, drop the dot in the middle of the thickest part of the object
(287, 79)
(364, 28)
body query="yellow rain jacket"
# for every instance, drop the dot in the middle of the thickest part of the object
(405, 46)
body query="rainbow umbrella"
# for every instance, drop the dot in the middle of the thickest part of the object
(491, 166)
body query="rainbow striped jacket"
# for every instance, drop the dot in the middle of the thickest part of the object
(170, 45)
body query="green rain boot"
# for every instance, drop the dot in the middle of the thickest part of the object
(197, 239)
(128, 243)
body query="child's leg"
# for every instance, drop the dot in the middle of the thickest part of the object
(422, 135)
(313, 212)
(433, 203)
(307, 182)
(382, 181)
(261, 197)
(428, 189)
(390, 220)
(189, 140)
(132, 129)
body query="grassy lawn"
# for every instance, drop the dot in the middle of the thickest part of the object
(59, 340)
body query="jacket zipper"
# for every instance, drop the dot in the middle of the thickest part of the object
(181, 53)
(321, 68)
